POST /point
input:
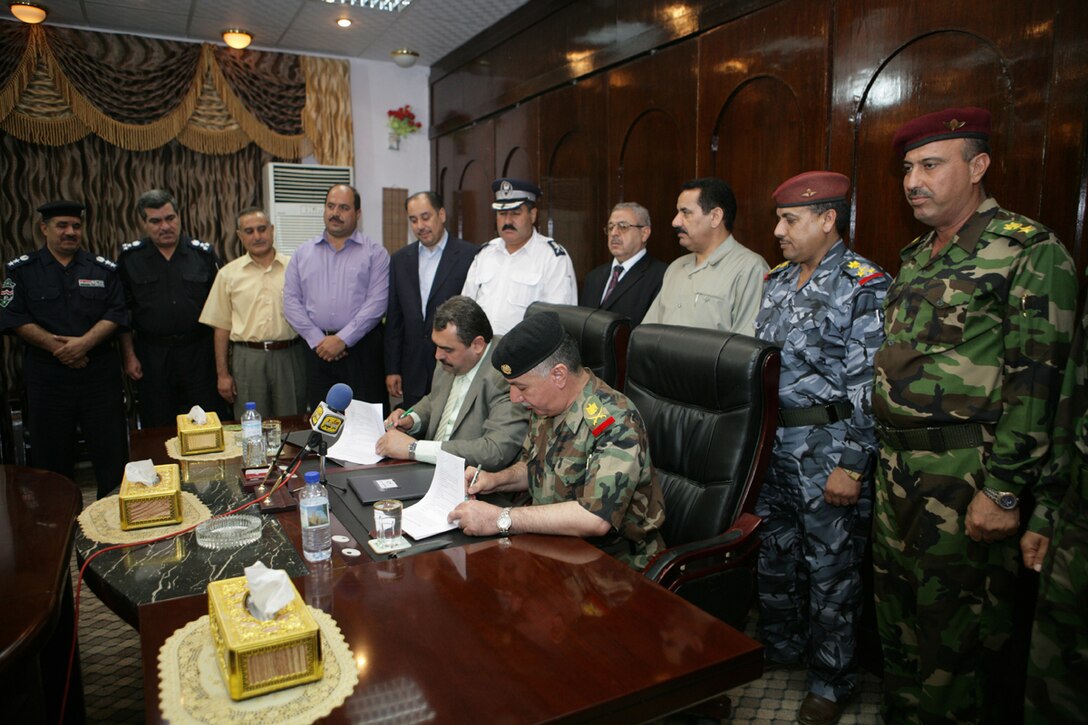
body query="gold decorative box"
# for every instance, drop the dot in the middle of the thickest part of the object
(145, 506)
(257, 657)
(193, 438)
(203, 471)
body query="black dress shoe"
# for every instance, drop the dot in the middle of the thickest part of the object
(816, 710)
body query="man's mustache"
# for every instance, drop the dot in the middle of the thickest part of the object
(509, 228)
(680, 230)
(917, 192)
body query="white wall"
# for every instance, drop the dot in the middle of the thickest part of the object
(377, 87)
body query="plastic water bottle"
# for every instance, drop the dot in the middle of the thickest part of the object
(252, 438)
(313, 508)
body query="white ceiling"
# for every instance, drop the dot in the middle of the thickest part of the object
(433, 28)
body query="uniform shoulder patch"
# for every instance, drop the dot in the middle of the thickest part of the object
(557, 248)
(18, 261)
(202, 246)
(130, 246)
(597, 416)
(7, 292)
(862, 272)
(775, 270)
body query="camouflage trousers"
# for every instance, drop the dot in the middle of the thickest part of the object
(1058, 665)
(944, 603)
(810, 576)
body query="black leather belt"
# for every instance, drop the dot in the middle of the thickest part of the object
(815, 414)
(172, 340)
(269, 344)
(937, 438)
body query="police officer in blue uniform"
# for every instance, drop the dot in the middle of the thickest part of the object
(66, 304)
(823, 307)
(167, 276)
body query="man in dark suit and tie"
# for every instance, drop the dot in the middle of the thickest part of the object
(630, 282)
(468, 412)
(422, 276)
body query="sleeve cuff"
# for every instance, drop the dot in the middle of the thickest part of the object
(427, 451)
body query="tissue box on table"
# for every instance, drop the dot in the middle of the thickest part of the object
(144, 506)
(194, 438)
(257, 657)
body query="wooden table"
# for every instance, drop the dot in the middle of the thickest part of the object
(520, 630)
(37, 523)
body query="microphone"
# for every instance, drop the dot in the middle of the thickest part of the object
(328, 417)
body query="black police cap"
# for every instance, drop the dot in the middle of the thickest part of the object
(60, 207)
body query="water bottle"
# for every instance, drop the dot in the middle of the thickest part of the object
(313, 508)
(252, 438)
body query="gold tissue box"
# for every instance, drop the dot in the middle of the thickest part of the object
(145, 506)
(193, 438)
(203, 471)
(257, 657)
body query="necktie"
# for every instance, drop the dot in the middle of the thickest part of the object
(616, 272)
(450, 410)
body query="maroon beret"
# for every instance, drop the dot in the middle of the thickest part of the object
(812, 187)
(949, 123)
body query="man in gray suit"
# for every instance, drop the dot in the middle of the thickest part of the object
(468, 412)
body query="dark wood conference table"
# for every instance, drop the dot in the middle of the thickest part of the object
(37, 523)
(518, 630)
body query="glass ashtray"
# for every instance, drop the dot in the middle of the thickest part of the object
(228, 531)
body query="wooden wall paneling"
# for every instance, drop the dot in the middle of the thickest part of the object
(894, 61)
(1065, 169)
(574, 167)
(763, 100)
(464, 164)
(516, 143)
(651, 136)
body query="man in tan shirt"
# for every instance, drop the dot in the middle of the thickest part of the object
(258, 356)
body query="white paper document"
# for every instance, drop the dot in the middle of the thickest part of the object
(428, 517)
(363, 426)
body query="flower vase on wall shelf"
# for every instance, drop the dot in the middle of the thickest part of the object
(402, 121)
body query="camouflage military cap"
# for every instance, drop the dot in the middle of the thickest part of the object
(950, 123)
(60, 207)
(812, 187)
(528, 344)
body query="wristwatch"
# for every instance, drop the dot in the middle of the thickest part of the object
(1004, 499)
(856, 475)
(504, 522)
(412, 450)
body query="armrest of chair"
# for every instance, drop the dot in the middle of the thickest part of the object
(713, 554)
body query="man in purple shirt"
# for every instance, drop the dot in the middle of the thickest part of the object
(334, 295)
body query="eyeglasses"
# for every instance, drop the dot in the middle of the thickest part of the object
(622, 226)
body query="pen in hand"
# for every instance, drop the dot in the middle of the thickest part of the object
(472, 482)
(405, 414)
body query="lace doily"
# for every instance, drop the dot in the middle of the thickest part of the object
(101, 521)
(232, 450)
(191, 688)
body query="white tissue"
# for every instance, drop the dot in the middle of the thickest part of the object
(141, 472)
(197, 415)
(270, 590)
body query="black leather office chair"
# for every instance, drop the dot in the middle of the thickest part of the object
(602, 338)
(710, 402)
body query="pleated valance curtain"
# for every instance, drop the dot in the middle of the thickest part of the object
(57, 85)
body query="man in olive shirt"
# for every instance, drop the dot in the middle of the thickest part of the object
(252, 338)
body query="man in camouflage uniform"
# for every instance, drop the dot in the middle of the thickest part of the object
(976, 324)
(585, 462)
(822, 306)
(1058, 665)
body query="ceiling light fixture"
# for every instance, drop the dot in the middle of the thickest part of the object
(344, 22)
(237, 39)
(28, 12)
(404, 57)
(392, 6)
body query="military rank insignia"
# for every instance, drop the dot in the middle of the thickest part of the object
(597, 416)
(864, 272)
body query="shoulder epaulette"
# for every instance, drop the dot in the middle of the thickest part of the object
(18, 261)
(597, 416)
(202, 246)
(130, 246)
(1017, 227)
(862, 272)
(775, 270)
(557, 248)
(105, 263)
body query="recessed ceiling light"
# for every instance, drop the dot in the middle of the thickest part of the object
(344, 22)
(28, 12)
